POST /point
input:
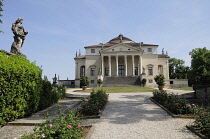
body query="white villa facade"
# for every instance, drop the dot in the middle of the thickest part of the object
(121, 58)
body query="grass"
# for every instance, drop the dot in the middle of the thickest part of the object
(184, 88)
(120, 89)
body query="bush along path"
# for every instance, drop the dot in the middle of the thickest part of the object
(94, 105)
(66, 124)
(23, 126)
(183, 109)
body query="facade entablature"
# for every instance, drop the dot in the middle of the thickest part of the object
(121, 47)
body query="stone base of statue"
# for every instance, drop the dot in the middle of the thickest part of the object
(9, 53)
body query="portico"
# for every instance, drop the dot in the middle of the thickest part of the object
(121, 64)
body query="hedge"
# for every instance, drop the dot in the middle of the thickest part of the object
(20, 87)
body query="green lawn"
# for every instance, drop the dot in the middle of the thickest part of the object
(184, 88)
(121, 89)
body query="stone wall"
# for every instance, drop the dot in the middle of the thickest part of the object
(178, 83)
(202, 93)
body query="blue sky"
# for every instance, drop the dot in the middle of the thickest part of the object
(57, 29)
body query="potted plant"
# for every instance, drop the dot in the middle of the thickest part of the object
(99, 81)
(160, 80)
(143, 81)
(84, 82)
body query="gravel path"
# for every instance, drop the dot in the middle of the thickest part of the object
(133, 115)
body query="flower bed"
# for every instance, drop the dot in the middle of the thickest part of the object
(63, 126)
(181, 108)
(175, 106)
(94, 105)
(201, 126)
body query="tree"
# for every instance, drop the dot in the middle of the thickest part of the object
(200, 66)
(1, 4)
(177, 70)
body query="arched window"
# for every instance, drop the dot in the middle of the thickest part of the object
(82, 71)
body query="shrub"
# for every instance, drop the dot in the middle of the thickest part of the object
(202, 122)
(99, 81)
(144, 81)
(64, 126)
(50, 95)
(174, 104)
(84, 81)
(20, 86)
(160, 80)
(94, 104)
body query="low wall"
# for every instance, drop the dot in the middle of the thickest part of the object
(178, 83)
(66, 83)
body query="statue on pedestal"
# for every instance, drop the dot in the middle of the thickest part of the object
(19, 37)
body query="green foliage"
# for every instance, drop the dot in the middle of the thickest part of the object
(95, 103)
(84, 81)
(20, 86)
(177, 70)
(99, 81)
(144, 81)
(50, 95)
(160, 80)
(200, 66)
(202, 122)
(64, 126)
(174, 104)
(1, 4)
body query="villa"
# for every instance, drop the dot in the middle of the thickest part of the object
(121, 62)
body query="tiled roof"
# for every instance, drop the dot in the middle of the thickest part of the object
(119, 38)
(163, 56)
(80, 57)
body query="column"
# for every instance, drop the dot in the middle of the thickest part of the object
(167, 69)
(110, 68)
(133, 65)
(102, 65)
(76, 70)
(116, 65)
(125, 65)
(140, 64)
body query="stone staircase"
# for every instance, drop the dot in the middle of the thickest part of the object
(121, 81)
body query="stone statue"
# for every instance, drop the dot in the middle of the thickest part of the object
(163, 51)
(19, 37)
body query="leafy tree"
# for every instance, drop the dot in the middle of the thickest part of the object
(200, 66)
(177, 70)
(1, 4)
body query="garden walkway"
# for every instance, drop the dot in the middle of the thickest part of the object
(133, 115)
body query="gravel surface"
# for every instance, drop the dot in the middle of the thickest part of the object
(134, 116)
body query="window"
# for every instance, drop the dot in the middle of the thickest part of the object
(171, 82)
(149, 49)
(106, 72)
(92, 50)
(150, 71)
(92, 71)
(112, 49)
(82, 71)
(150, 81)
(92, 81)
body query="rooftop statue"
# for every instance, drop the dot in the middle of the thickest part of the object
(19, 37)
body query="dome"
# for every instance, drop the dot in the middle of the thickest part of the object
(121, 39)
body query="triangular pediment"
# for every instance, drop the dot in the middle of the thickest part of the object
(121, 47)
